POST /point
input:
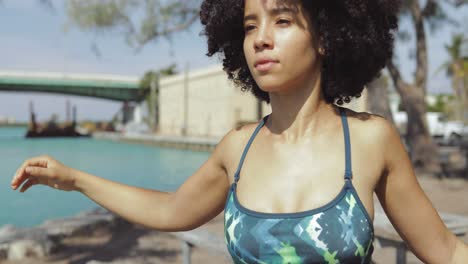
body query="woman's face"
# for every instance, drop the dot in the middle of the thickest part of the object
(278, 44)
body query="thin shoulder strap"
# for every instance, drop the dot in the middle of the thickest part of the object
(246, 149)
(344, 121)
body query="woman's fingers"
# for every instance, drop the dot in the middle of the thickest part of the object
(30, 182)
(34, 175)
(21, 175)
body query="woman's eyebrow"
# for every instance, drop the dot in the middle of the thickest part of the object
(281, 10)
(273, 12)
(250, 17)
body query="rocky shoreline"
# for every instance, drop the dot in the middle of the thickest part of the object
(97, 237)
(45, 239)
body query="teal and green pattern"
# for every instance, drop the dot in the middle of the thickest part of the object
(339, 232)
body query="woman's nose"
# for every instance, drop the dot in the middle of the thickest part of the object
(263, 39)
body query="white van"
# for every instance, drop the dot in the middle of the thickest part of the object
(448, 131)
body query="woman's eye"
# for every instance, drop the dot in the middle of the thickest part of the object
(248, 28)
(283, 21)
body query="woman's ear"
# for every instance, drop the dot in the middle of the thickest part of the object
(321, 50)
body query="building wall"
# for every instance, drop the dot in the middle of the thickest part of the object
(214, 106)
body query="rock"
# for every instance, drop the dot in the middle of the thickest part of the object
(79, 225)
(26, 243)
(37, 244)
(17, 234)
(22, 249)
(3, 251)
(19, 243)
(7, 230)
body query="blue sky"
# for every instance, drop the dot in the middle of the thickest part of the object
(33, 39)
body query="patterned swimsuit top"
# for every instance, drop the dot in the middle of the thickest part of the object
(340, 231)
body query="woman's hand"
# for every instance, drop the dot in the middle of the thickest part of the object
(46, 171)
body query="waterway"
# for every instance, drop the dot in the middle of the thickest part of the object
(137, 165)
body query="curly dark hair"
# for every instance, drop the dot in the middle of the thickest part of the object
(357, 37)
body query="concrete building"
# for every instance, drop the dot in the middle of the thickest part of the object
(205, 103)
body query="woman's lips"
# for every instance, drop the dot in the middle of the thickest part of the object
(265, 66)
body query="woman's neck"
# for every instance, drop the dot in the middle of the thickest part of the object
(299, 114)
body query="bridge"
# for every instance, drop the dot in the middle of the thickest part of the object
(111, 87)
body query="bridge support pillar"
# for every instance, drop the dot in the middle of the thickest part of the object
(127, 112)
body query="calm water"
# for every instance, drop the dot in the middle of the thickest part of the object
(143, 166)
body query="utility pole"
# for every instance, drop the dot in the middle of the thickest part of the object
(259, 109)
(68, 111)
(186, 84)
(153, 106)
(74, 117)
(33, 124)
(464, 84)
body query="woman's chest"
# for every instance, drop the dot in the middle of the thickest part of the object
(302, 178)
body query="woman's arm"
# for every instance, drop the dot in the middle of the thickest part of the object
(200, 198)
(408, 207)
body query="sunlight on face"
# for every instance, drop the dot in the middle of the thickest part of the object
(278, 44)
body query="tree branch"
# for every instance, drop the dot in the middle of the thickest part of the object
(168, 31)
(461, 2)
(421, 46)
(430, 8)
(395, 75)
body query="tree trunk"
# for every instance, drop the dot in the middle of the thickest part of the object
(465, 99)
(378, 101)
(423, 151)
(422, 148)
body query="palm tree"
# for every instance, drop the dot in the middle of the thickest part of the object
(149, 88)
(457, 69)
(424, 15)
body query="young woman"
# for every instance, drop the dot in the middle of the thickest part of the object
(297, 187)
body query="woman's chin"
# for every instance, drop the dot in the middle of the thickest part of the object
(270, 85)
(270, 89)
(273, 88)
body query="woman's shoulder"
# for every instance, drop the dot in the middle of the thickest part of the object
(372, 128)
(240, 133)
(234, 141)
